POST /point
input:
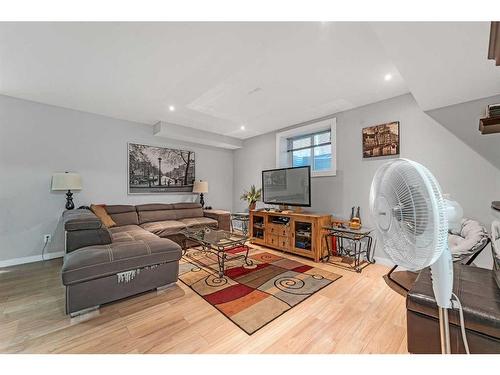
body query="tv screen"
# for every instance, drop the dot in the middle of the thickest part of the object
(287, 186)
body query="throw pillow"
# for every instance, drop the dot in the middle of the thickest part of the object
(100, 211)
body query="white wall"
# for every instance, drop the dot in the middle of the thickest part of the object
(37, 140)
(461, 171)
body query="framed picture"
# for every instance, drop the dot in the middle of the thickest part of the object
(381, 140)
(153, 169)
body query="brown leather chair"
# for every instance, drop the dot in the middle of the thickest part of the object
(480, 297)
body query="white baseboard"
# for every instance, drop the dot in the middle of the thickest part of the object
(31, 259)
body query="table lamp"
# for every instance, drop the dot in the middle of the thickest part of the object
(67, 181)
(200, 187)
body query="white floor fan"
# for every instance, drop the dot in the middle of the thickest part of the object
(412, 218)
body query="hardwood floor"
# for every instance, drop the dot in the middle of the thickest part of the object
(357, 314)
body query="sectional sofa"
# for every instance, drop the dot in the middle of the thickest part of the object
(140, 253)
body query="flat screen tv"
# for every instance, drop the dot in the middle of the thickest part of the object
(287, 186)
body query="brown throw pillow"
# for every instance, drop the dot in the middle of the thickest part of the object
(100, 211)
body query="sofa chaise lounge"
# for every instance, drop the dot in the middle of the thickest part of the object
(140, 253)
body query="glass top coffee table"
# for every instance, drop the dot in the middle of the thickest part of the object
(218, 242)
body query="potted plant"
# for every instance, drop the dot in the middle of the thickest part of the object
(252, 196)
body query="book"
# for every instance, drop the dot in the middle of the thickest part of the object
(494, 110)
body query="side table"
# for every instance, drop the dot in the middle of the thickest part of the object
(362, 241)
(243, 218)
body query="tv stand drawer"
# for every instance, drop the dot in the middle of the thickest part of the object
(279, 230)
(272, 240)
(280, 242)
(283, 242)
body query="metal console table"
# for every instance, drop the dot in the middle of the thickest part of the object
(362, 244)
(243, 218)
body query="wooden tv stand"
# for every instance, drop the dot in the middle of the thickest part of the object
(297, 233)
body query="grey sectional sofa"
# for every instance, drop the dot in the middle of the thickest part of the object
(140, 253)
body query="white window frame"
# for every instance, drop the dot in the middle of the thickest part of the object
(282, 156)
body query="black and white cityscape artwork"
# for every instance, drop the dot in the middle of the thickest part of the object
(154, 169)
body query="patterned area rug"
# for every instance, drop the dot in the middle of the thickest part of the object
(252, 296)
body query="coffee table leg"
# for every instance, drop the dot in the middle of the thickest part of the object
(247, 262)
(220, 260)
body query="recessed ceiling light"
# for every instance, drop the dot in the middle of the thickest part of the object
(171, 108)
(388, 77)
(242, 127)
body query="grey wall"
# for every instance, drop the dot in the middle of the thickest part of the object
(37, 140)
(463, 121)
(461, 171)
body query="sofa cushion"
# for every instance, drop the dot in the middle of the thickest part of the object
(123, 214)
(164, 228)
(89, 237)
(130, 233)
(155, 212)
(199, 222)
(125, 228)
(186, 205)
(472, 236)
(83, 228)
(186, 210)
(104, 260)
(80, 220)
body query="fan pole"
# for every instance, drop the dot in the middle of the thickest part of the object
(444, 331)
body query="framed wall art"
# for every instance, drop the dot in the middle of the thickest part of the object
(381, 140)
(154, 169)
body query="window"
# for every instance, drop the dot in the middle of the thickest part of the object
(311, 149)
(312, 145)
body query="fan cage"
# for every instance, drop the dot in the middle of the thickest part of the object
(417, 231)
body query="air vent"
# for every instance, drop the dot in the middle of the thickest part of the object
(257, 89)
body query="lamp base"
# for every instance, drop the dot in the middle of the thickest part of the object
(69, 200)
(202, 201)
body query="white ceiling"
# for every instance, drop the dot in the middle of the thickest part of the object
(443, 63)
(220, 76)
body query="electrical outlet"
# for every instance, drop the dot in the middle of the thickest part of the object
(47, 238)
